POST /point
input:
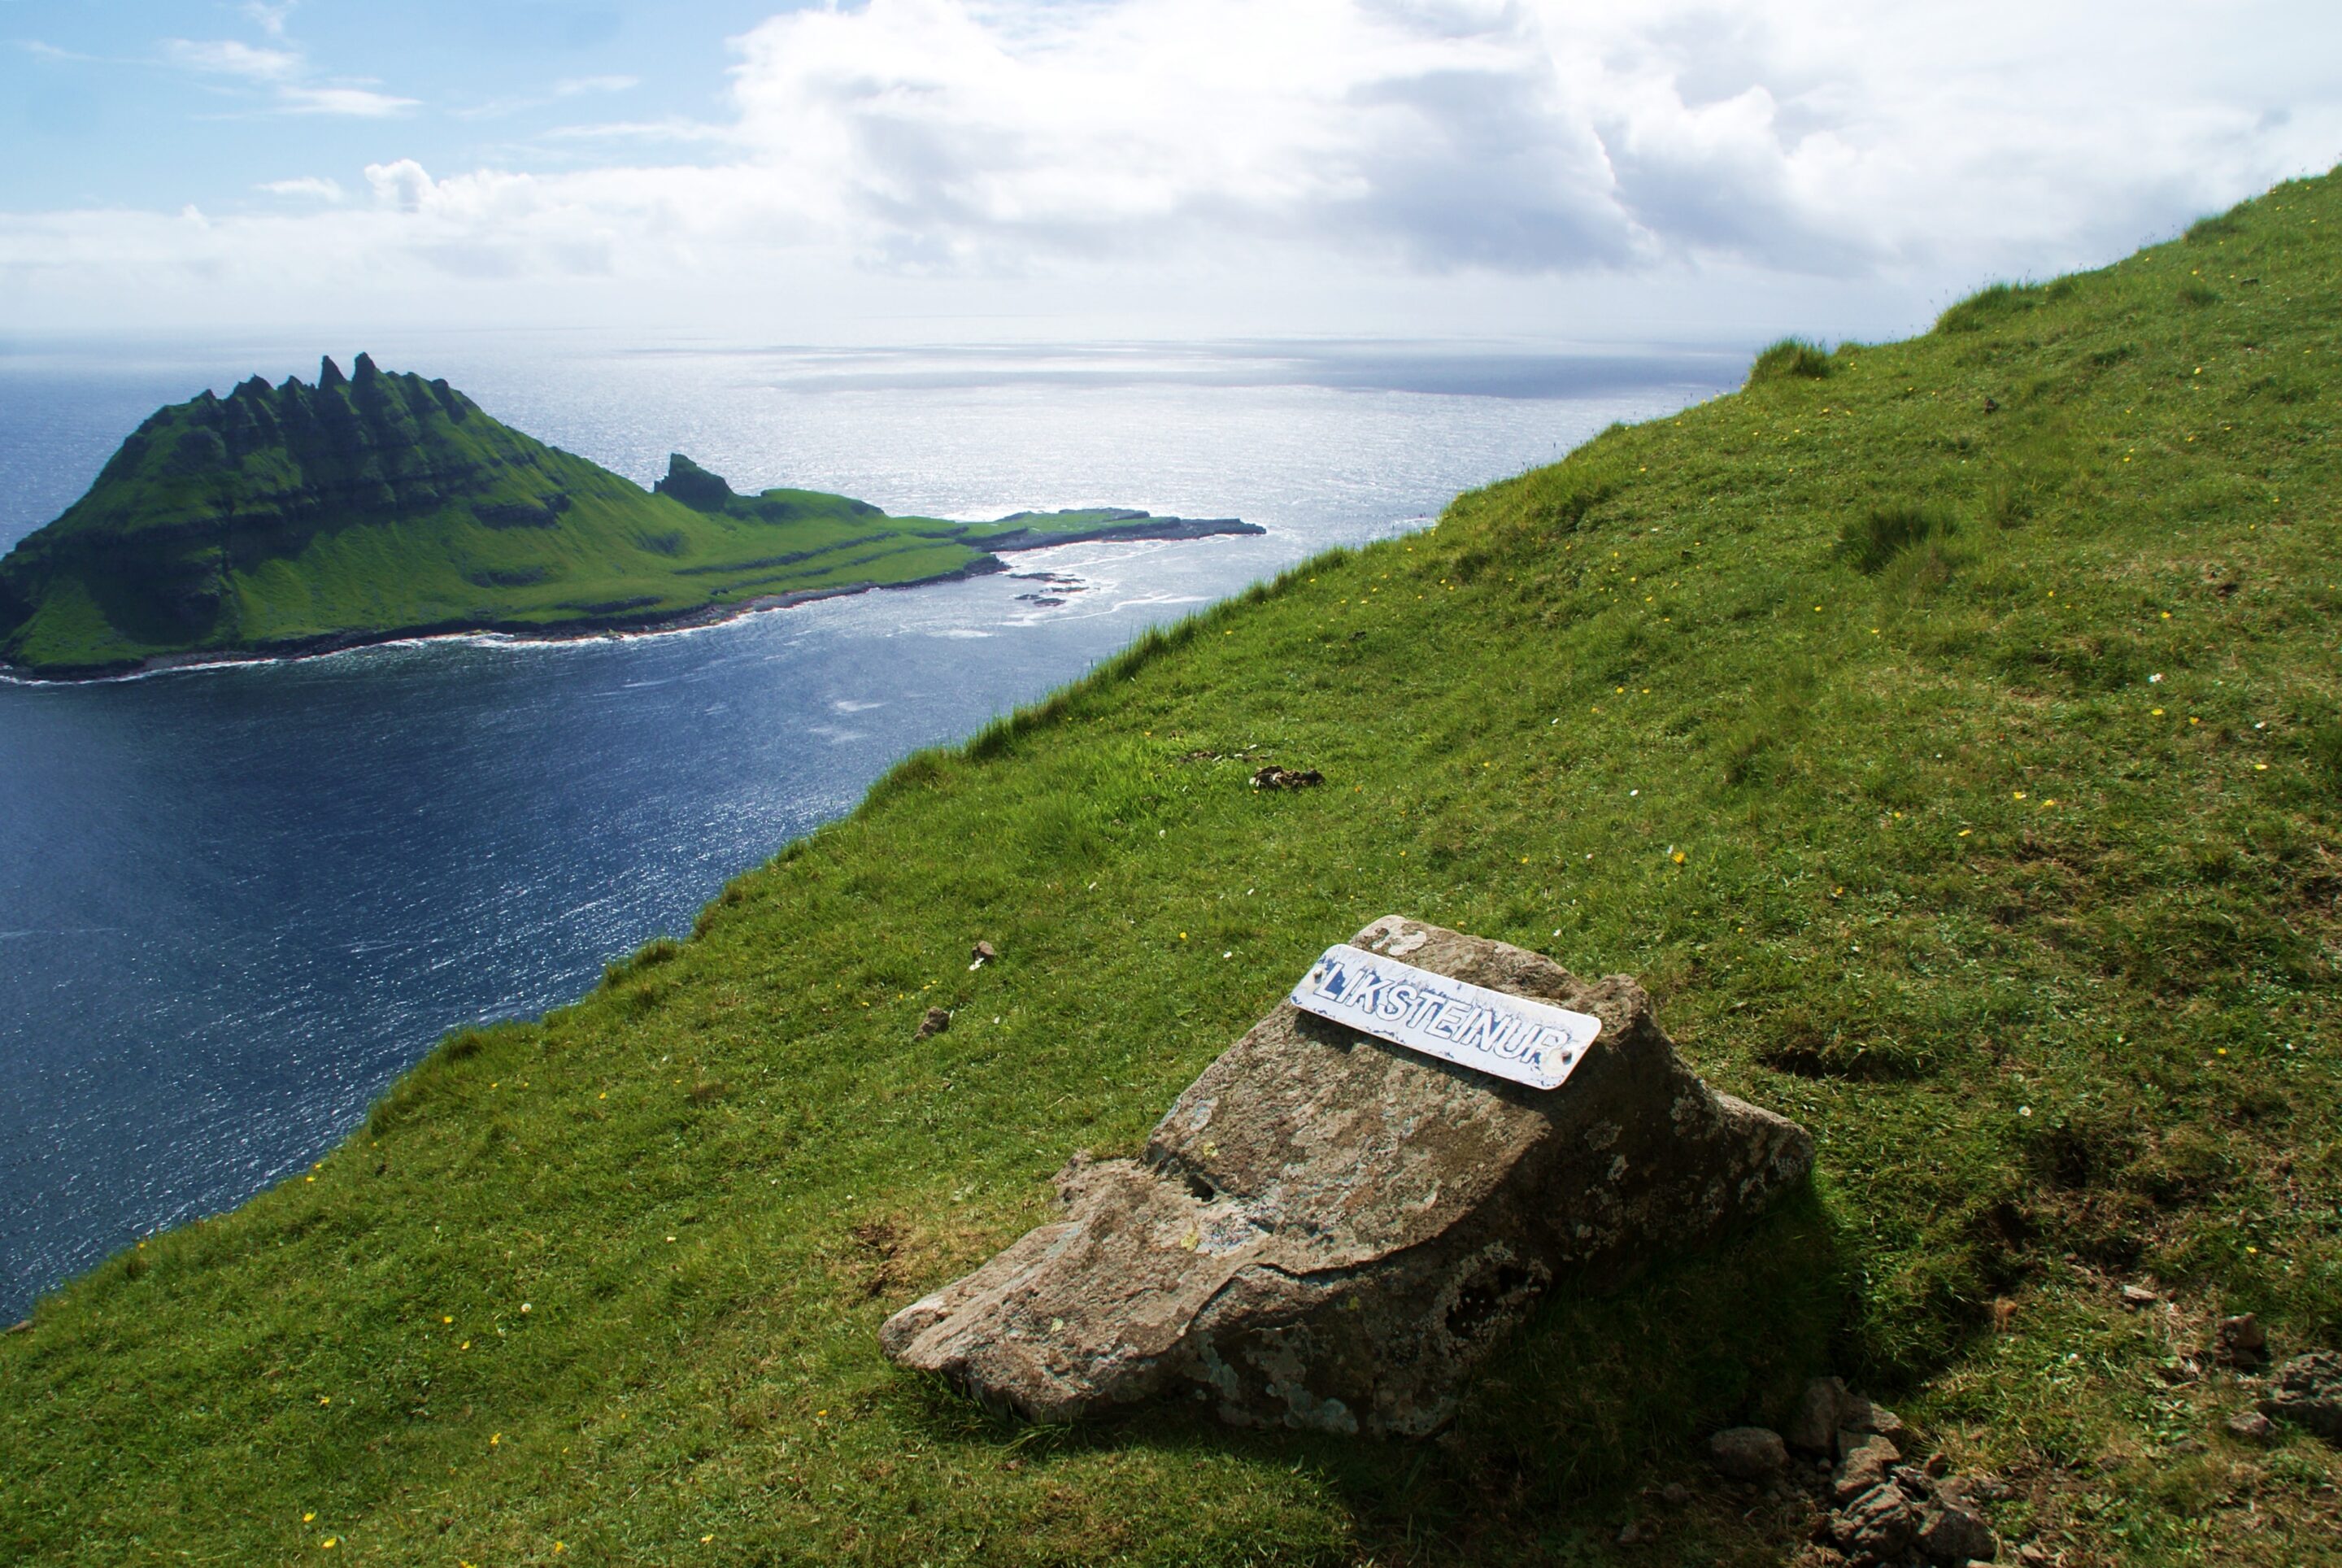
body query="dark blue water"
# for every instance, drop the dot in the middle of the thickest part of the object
(235, 902)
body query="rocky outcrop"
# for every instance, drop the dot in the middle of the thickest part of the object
(2307, 1392)
(1330, 1231)
(694, 486)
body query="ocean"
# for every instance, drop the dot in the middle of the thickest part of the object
(237, 902)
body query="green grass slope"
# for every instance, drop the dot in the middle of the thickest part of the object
(298, 517)
(1945, 731)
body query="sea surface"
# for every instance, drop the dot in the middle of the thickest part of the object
(235, 902)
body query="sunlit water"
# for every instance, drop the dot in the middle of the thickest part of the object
(235, 902)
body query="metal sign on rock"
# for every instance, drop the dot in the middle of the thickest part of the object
(1511, 1037)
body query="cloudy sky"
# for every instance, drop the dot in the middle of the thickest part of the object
(1696, 170)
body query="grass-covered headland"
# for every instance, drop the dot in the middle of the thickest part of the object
(1945, 731)
(295, 520)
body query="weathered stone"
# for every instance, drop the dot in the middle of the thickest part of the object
(2251, 1426)
(1953, 1536)
(935, 1023)
(1866, 1463)
(1914, 1480)
(1821, 1410)
(1748, 1453)
(1861, 1415)
(1878, 1526)
(2307, 1392)
(2242, 1340)
(1329, 1231)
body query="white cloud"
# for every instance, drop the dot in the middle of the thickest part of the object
(316, 188)
(270, 18)
(1536, 135)
(45, 51)
(284, 72)
(362, 102)
(675, 130)
(576, 86)
(1398, 154)
(569, 87)
(227, 58)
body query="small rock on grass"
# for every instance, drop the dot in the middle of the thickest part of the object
(2251, 1426)
(2135, 1297)
(1748, 1453)
(2242, 1340)
(935, 1023)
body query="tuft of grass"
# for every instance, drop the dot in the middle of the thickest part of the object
(2041, 947)
(1792, 357)
(1873, 542)
(2215, 229)
(2324, 750)
(1990, 304)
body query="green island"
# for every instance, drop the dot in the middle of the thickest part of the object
(376, 505)
(1947, 733)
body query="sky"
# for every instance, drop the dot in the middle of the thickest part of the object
(979, 170)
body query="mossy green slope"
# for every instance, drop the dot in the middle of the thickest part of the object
(297, 518)
(1948, 738)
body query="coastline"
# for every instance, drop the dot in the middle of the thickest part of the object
(585, 627)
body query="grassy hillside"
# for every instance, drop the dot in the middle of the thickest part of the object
(380, 504)
(1945, 731)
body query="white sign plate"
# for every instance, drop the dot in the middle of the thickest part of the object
(1494, 1031)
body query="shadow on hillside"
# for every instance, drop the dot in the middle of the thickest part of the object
(1571, 1427)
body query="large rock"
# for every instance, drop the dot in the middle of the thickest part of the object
(1328, 1232)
